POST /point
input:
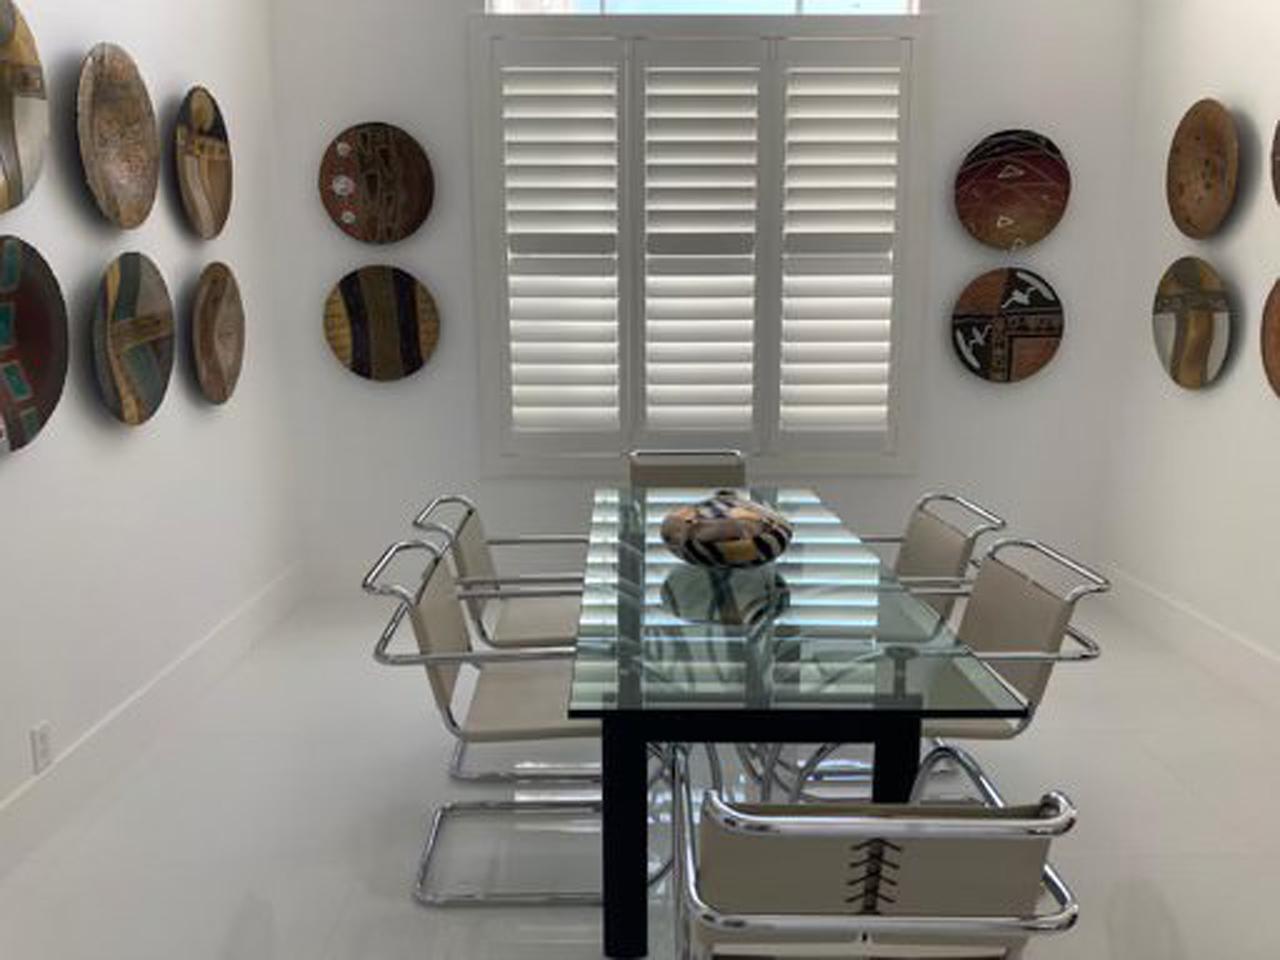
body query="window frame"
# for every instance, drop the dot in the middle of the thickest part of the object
(506, 454)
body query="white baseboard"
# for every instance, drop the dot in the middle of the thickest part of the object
(1222, 651)
(40, 806)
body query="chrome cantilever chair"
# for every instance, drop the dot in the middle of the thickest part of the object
(875, 881)
(933, 551)
(518, 695)
(1016, 625)
(511, 610)
(687, 468)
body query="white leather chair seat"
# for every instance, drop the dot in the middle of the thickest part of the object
(533, 621)
(524, 701)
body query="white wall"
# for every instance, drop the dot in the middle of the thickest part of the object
(377, 451)
(120, 547)
(1193, 477)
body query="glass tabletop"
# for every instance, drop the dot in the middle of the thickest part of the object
(825, 626)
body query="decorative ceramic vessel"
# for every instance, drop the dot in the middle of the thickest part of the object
(726, 531)
(1204, 165)
(1007, 325)
(1012, 189)
(202, 154)
(1192, 323)
(33, 343)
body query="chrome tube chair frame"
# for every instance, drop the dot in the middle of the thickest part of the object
(423, 891)
(775, 928)
(482, 586)
(730, 471)
(1085, 649)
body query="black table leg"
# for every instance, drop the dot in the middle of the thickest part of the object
(626, 838)
(897, 760)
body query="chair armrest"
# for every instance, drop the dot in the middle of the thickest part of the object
(876, 538)
(540, 540)
(518, 593)
(521, 578)
(1086, 649)
(473, 657)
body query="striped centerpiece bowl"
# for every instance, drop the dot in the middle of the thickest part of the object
(726, 530)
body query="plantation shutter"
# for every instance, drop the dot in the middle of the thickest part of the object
(701, 133)
(561, 159)
(844, 121)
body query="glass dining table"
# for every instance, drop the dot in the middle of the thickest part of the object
(823, 645)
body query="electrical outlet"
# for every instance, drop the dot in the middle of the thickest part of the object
(41, 746)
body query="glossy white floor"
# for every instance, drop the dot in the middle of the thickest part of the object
(283, 819)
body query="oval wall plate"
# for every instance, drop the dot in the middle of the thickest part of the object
(376, 183)
(217, 333)
(133, 338)
(1271, 338)
(1203, 169)
(381, 323)
(1012, 189)
(24, 136)
(119, 143)
(1192, 323)
(202, 155)
(33, 343)
(1007, 325)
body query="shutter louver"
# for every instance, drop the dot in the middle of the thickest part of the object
(701, 149)
(560, 132)
(840, 210)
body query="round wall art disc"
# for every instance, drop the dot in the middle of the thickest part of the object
(202, 154)
(1012, 189)
(24, 132)
(1271, 338)
(217, 332)
(1007, 325)
(1275, 163)
(376, 183)
(1191, 321)
(119, 143)
(33, 343)
(381, 323)
(1204, 163)
(133, 338)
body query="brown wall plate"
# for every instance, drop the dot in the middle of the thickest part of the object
(119, 143)
(1007, 325)
(1204, 166)
(33, 343)
(1271, 338)
(1191, 323)
(217, 332)
(1275, 163)
(1012, 189)
(133, 338)
(376, 183)
(381, 323)
(202, 155)
(24, 106)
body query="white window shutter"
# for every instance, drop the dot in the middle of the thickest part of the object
(560, 108)
(844, 120)
(701, 132)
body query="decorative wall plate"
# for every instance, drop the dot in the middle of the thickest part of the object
(119, 143)
(1275, 163)
(202, 154)
(24, 107)
(381, 323)
(1191, 322)
(1204, 164)
(217, 332)
(1012, 189)
(133, 338)
(1271, 338)
(1007, 325)
(33, 343)
(376, 183)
